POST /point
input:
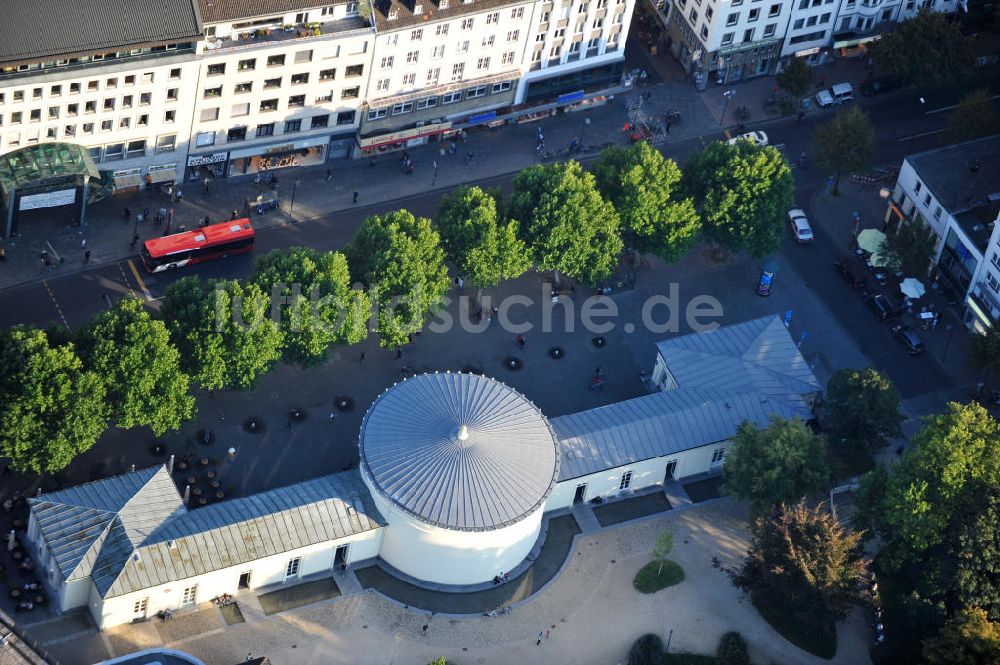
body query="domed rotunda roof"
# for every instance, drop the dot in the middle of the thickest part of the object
(459, 451)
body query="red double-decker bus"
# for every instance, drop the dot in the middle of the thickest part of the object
(215, 241)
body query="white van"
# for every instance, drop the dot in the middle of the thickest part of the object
(841, 93)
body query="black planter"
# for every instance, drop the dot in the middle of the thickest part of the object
(512, 363)
(254, 425)
(599, 342)
(343, 403)
(557, 353)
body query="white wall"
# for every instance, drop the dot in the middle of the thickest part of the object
(264, 572)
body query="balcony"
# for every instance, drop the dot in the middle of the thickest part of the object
(264, 36)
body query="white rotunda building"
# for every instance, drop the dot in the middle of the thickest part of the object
(460, 466)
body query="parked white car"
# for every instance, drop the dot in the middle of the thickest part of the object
(800, 226)
(838, 94)
(759, 138)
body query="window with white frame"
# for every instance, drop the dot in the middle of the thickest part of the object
(409, 79)
(441, 30)
(452, 97)
(433, 75)
(292, 569)
(492, 18)
(478, 91)
(503, 86)
(382, 85)
(400, 109)
(488, 41)
(427, 102)
(412, 56)
(507, 58)
(626, 481)
(463, 47)
(378, 114)
(513, 35)
(727, 38)
(516, 13)
(203, 139)
(458, 71)
(483, 63)
(717, 455)
(992, 282)
(437, 53)
(416, 35)
(190, 595)
(387, 62)
(467, 24)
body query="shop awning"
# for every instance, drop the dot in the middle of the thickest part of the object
(126, 181)
(163, 175)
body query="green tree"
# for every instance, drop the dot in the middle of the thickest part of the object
(910, 249)
(569, 227)
(51, 409)
(984, 351)
(732, 649)
(927, 49)
(967, 639)
(132, 354)
(796, 78)
(861, 411)
(803, 558)
(971, 565)
(744, 191)
(399, 258)
(647, 650)
(484, 249)
(973, 117)
(222, 331)
(320, 307)
(845, 144)
(662, 548)
(645, 189)
(778, 464)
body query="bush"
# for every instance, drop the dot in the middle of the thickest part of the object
(647, 580)
(647, 650)
(732, 650)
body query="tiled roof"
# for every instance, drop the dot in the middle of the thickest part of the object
(39, 29)
(660, 424)
(459, 451)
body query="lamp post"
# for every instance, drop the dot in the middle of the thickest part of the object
(728, 96)
(586, 121)
(291, 205)
(913, 129)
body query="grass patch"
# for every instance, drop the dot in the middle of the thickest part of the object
(808, 629)
(647, 580)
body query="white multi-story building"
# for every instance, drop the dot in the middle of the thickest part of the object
(956, 192)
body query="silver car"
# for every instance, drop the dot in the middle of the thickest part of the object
(800, 226)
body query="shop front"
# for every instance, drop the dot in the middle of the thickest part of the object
(407, 138)
(161, 175)
(127, 180)
(574, 84)
(306, 152)
(212, 165)
(852, 45)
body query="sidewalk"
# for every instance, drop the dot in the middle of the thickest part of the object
(494, 152)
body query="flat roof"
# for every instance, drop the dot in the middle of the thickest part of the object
(431, 11)
(41, 29)
(960, 176)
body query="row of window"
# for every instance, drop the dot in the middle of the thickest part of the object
(250, 64)
(240, 133)
(99, 57)
(823, 19)
(748, 34)
(582, 8)
(108, 125)
(112, 152)
(352, 71)
(430, 102)
(107, 105)
(596, 24)
(752, 16)
(94, 85)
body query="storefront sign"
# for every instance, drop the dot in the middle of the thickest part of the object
(288, 147)
(405, 135)
(202, 160)
(807, 52)
(570, 97)
(481, 118)
(48, 200)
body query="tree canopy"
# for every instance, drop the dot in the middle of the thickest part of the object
(926, 49)
(984, 351)
(645, 189)
(845, 144)
(780, 463)
(796, 78)
(803, 558)
(51, 408)
(910, 249)
(320, 307)
(569, 227)
(400, 259)
(132, 354)
(974, 117)
(485, 249)
(969, 638)
(861, 411)
(744, 191)
(222, 330)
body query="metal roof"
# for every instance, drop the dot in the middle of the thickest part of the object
(42, 29)
(757, 355)
(459, 451)
(660, 424)
(213, 11)
(36, 165)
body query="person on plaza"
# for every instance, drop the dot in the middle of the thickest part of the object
(519, 340)
(329, 175)
(127, 214)
(86, 256)
(205, 184)
(541, 634)
(179, 195)
(355, 196)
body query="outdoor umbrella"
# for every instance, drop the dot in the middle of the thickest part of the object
(912, 288)
(870, 240)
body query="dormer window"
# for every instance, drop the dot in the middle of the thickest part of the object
(393, 13)
(443, 4)
(418, 9)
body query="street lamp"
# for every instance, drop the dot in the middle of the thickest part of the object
(586, 121)
(291, 205)
(728, 96)
(913, 129)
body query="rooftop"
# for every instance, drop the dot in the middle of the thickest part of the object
(459, 451)
(40, 29)
(35, 164)
(961, 176)
(406, 14)
(978, 222)
(250, 39)
(213, 11)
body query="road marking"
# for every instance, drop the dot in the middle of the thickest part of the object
(131, 291)
(953, 106)
(917, 136)
(55, 302)
(138, 279)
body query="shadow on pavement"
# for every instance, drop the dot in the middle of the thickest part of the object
(298, 595)
(630, 509)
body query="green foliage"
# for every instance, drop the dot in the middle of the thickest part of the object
(796, 78)
(927, 49)
(970, 569)
(732, 647)
(222, 331)
(51, 409)
(485, 250)
(984, 350)
(645, 189)
(809, 628)
(910, 249)
(664, 545)
(778, 464)
(845, 144)
(399, 258)
(967, 639)
(744, 192)
(320, 307)
(802, 558)
(973, 117)
(657, 575)
(438, 661)
(647, 650)
(569, 227)
(132, 354)
(861, 411)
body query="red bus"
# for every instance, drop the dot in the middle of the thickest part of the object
(215, 241)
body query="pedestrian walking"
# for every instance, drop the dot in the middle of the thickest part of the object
(423, 630)
(179, 195)
(468, 158)
(235, 215)
(139, 218)
(361, 359)
(83, 244)
(399, 353)
(333, 415)
(126, 215)
(519, 340)
(329, 175)
(541, 634)
(204, 184)
(145, 213)
(355, 196)
(667, 126)
(546, 633)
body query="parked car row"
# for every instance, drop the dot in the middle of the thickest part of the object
(883, 308)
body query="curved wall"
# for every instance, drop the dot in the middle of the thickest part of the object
(446, 556)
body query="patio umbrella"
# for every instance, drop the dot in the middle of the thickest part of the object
(870, 240)
(912, 288)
